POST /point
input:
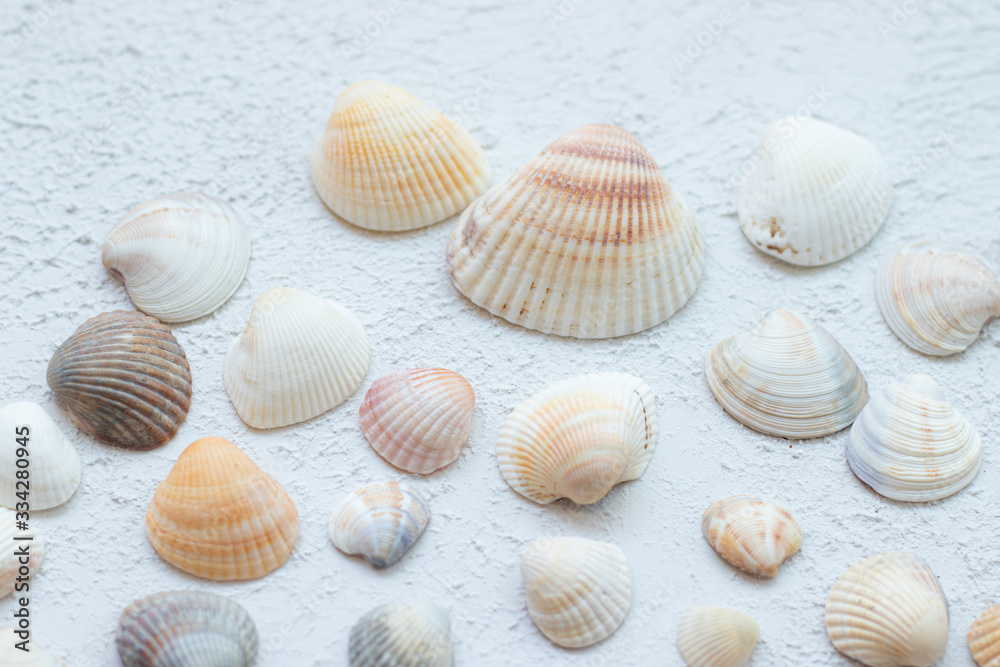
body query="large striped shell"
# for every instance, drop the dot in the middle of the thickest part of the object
(578, 590)
(388, 162)
(402, 634)
(935, 297)
(418, 419)
(379, 522)
(586, 240)
(35, 656)
(888, 610)
(218, 516)
(298, 357)
(181, 256)
(910, 444)
(124, 379)
(16, 540)
(55, 465)
(186, 629)
(984, 638)
(787, 377)
(579, 438)
(819, 194)
(751, 533)
(716, 637)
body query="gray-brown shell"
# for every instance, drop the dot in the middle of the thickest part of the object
(402, 634)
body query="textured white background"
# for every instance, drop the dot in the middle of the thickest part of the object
(107, 104)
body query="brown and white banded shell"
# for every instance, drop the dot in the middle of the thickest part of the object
(751, 533)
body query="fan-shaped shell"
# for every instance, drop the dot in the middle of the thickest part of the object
(379, 522)
(124, 379)
(751, 533)
(578, 590)
(888, 610)
(418, 419)
(218, 516)
(586, 240)
(298, 357)
(15, 540)
(984, 638)
(716, 637)
(819, 194)
(388, 162)
(55, 466)
(36, 656)
(935, 297)
(910, 444)
(402, 634)
(184, 629)
(578, 438)
(180, 256)
(787, 377)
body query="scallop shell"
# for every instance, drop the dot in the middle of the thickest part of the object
(579, 438)
(15, 540)
(819, 194)
(587, 240)
(55, 466)
(180, 256)
(388, 162)
(716, 637)
(298, 357)
(402, 634)
(787, 377)
(984, 638)
(935, 297)
(888, 610)
(218, 516)
(184, 629)
(578, 590)
(11, 656)
(124, 379)
(418, 419)
(910, 444)
(751, 533)
(379, 522)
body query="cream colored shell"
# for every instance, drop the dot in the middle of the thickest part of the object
(402, 634)
(716, 637)
(12, 538)
(984, 638)
(55, 465)
(379, 522)
(751, 533)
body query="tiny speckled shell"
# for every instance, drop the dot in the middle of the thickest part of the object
(13, 657)
(402, 634)
(9, 562)
(716, 637)
(984, 638)
(124, 379)
(751, 533)
(379, 522)
(55, 465)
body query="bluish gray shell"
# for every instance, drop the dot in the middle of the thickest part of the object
(402, 634)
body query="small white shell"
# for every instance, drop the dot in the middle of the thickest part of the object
(402, 634)
(751, 533)
(379, 522)
(984, 638)
(55, 466)
(11, 656)
(716, 637)
(14, 541)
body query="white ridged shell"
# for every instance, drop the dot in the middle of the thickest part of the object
(379, 522)
(751, 533)
(984, 638)
(55, 465)
(36, 657)
(9, 563)
(402, 634)
(716, 637)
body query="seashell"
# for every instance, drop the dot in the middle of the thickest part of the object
(819, 193)
(184, 629)
(935, 297)
(984, 638)
(888, 610)
(389, 162)
(218, 516)
(587, 240)
(36, 656)
(124, 379)
(55, 466)
(578, 438)
(298, 357)
(180, 256)
(578, 590)
(418, 419)
(716, 637)
(910, 444)
(9, 562)
(787, 377)
(402, 634)
(751, 533)
(379, 522)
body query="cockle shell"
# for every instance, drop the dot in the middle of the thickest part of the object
(36, 656)
(579, 438)
(819, 194)
(578, 590)
(935, 297)
(184, 629)
(402, 634)
(418, 419)
(14, 540)
(787, 377)
(298, 357)
(751, 533)
(124, 379)
(55, 466)
(716, 637)
(388, 162)
(180, 256)
(379, 522)
(910, 444)
(586, 240)
(984, 638)
(218, 516)
(888, 610)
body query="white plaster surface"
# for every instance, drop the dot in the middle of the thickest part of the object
(107, 104)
